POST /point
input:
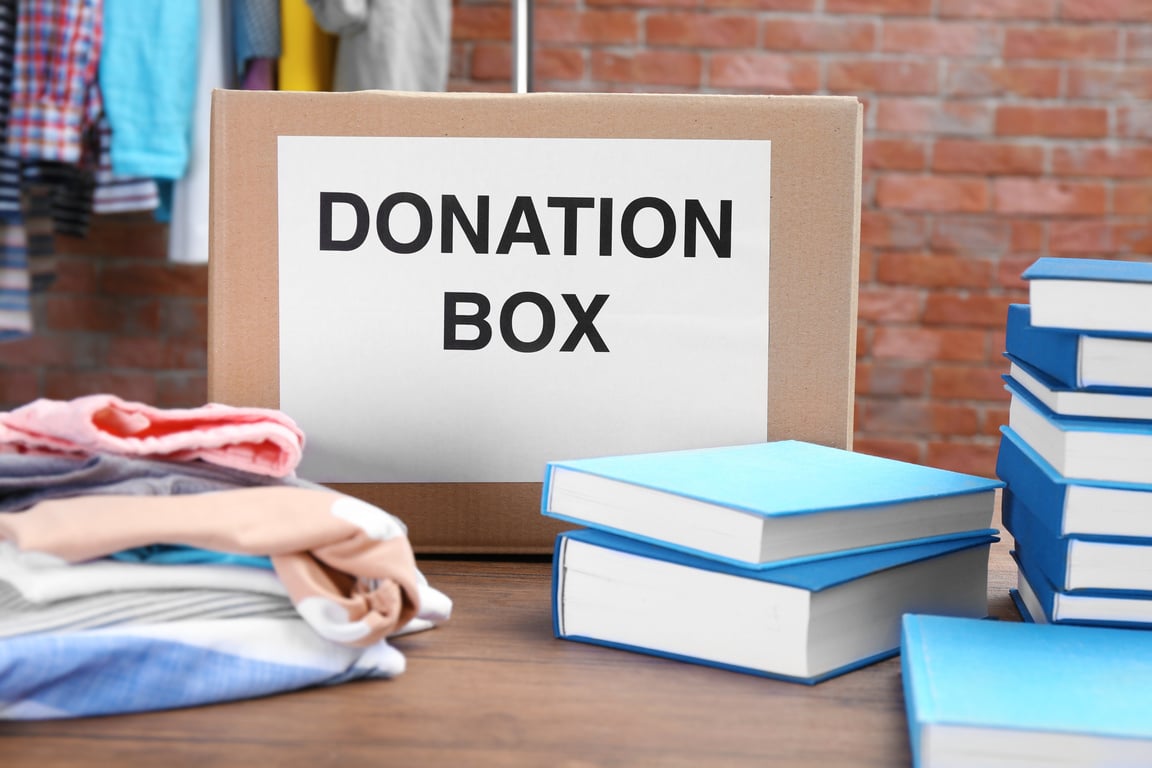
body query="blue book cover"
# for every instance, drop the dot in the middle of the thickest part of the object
(1053, 351)
(1090, 294)
(1074, 360)
(1097, 402)
(628, 589)
(1097, 270)
(767, 502)
(993, 692)
(1082, 447)
(1086, 607)
(1077, 563)
(1071, 507)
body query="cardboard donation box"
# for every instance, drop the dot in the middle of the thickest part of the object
(447, 291)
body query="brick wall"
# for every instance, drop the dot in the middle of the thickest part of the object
(997, 131)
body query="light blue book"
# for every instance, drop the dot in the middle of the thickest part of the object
(803, 623)
(1090, 294)
(983, 694)
(760, 503)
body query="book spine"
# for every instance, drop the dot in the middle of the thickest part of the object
(1039, 543)
(1031, 481)
(1056, 353)
(558, 585)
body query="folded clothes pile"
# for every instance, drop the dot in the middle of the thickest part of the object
(153, 558)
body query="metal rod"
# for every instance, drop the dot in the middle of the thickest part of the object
(522, 46)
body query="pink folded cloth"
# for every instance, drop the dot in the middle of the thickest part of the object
(347, 565)
(260, 440)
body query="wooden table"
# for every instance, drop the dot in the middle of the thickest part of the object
(493, 688)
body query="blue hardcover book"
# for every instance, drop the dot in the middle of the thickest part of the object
(1072, 563)
(1077, 360)
(1101, 402)
(804, 623)
(1050, 605)
(996, 693)
(1090, 294)
(1072, 507)
(768, 502)
(1080, 447)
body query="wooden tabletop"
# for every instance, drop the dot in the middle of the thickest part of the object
(493, 687)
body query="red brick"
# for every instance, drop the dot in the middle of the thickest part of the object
(941, 38)
(1027, 236)
(900, 76)
(1138, 43)
(894, 154)
(904, 416)
(122, 236)
(926, 344)
(1107, 10)
(182, 390)
(1096, 237)
(74, 275)
(1044, 196)
(751, 5)
(592, 27)
(481, 22)
(890, 305)
(996, 416)
(661, 3)
(998, 9)
(563, 64)
(136, 387)
(968, 310)
(700, 30)
(1102, 160)
(931, 193)
(971, 79)
(40, 350)
(1110, 83)
(1057, 122)
(985, 235)
(886, 7)
(933, 271)
(973, 458)
(990, 157)
(1009, 271)
(18, 387)
(929, 116)
(81, 313)
(966, 382)
(1132, 199)
(672, 68)
(764, 72)
(155, 280)
(886, 379)
(492, 62)
(128, 352)
(888, 448)
(1134, 122)
(894, 229)
(1062, 43)
(819, 34)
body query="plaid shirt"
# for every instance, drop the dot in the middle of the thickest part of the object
(55, 96)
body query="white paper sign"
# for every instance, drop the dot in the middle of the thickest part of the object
(467, 309)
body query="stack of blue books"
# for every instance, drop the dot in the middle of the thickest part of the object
(783, 559)
(1076, 455)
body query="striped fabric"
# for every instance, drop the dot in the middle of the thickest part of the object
(174, 664)
(54, 80)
